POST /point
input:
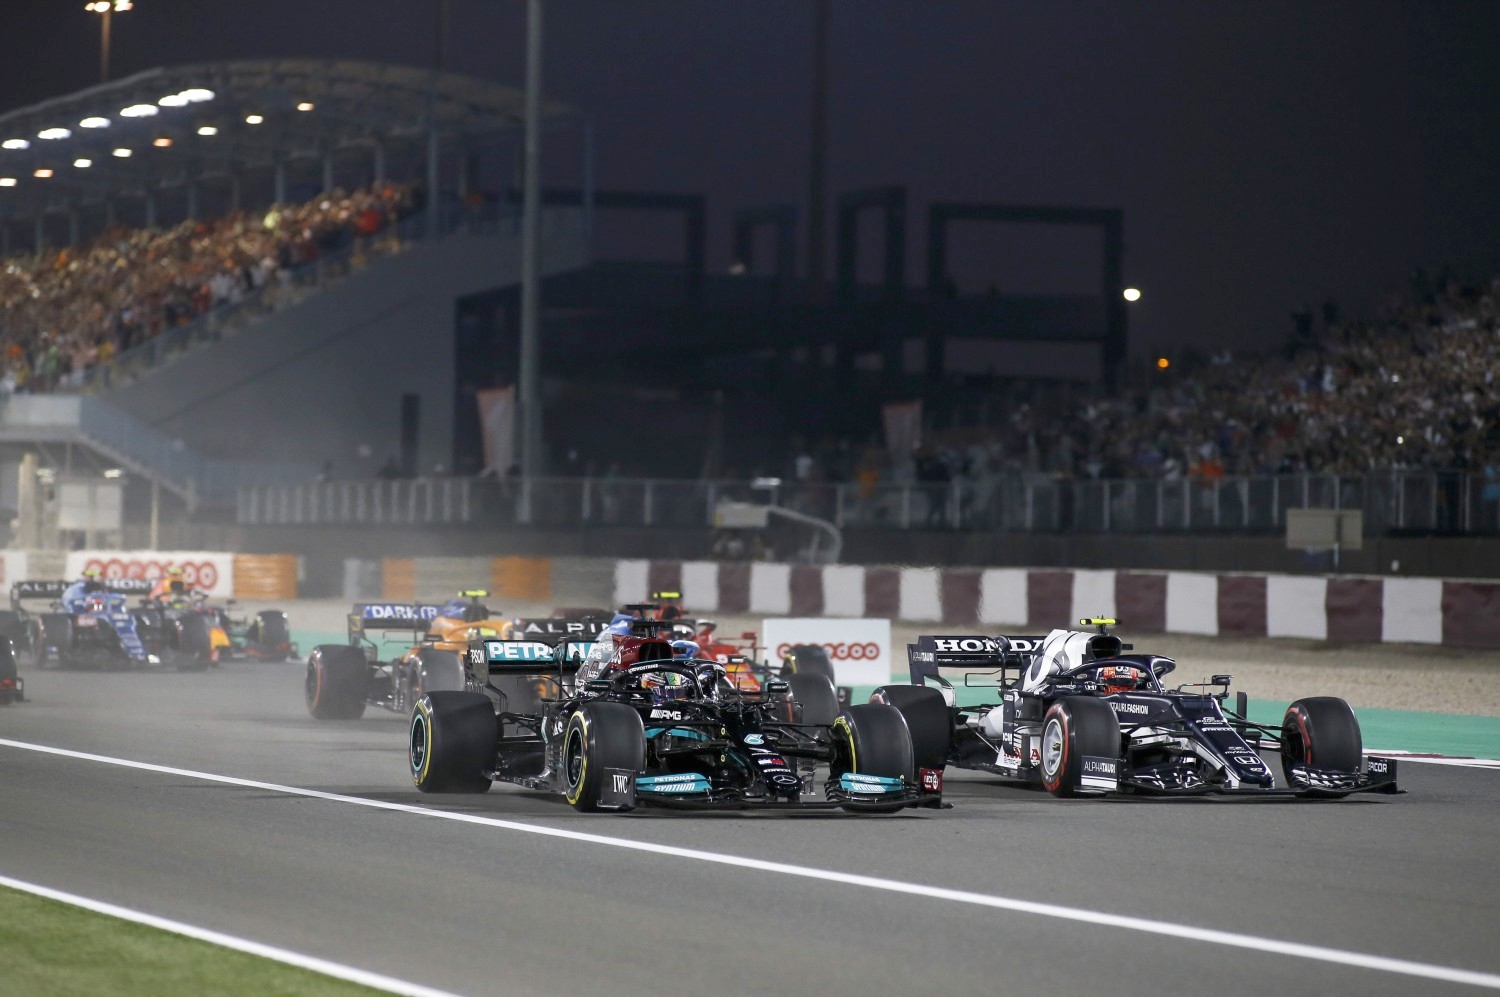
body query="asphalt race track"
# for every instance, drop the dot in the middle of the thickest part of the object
(597, 903)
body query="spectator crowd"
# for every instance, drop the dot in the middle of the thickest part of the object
(1416, 389)
(64, 311)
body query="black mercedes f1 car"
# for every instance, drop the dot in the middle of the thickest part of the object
(630, 725)
(1078, 715)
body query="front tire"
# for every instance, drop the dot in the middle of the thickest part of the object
(1320, 732)
(600, 736)
(1073, 727)
(452, 742)
(337, 684)
(872, 739)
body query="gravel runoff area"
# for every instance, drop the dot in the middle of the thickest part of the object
(1369, 676)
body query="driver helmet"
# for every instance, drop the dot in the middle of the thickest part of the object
(1119, 678)
(685, 648)
(93, 580)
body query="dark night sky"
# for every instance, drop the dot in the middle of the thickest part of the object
(1266, 154)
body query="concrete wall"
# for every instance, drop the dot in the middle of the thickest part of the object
(314, 382)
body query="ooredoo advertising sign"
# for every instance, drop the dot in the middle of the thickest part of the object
(206, 571)
(859, 649)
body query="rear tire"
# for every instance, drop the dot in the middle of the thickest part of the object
(600, 736)
(452, 742)
(195, 646)
(273, 633)
(811, 699)
(54, 629)
(10, 686)
(807, 659)
(337, 684)
(1075, 726)
(872, 739)
(1320, 732)
(927, 718)
(439, 671)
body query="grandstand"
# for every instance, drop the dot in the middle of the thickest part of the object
(334, 207)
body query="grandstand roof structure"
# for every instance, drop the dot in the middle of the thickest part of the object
(177, 125)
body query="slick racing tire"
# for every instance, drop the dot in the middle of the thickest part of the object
(337, 684)
(195, 646)
(806, 659)
(452, 742)
(927, 718)
(1073, 727)
(271, 631)
(9, 686)
(1320, 732)
(55, 630)
(872, 739)
(600, 736)
(14, 626)
(438, 671)
(811, 699)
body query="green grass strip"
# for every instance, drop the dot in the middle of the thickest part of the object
(55, 949)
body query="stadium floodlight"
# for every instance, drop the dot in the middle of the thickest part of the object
(41, 173)
(253, 119)
(196, 95)
(15, 143)
(83, 164)
(207, 130)
(7, 181)
(53, 134)
(306, 105)
(138, 111)
(94, 122)
(173, 100)
(122, 153)
(1132, 294)
(161, 142)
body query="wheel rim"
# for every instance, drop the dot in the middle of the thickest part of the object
(573, 756)
(418, 743)
(1052, 747)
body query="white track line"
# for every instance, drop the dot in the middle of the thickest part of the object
(1317, 953)
(1423, 758)
(323, 966)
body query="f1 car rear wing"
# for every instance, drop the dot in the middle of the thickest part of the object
(492, 656)
(54, 590)
(931, 653)
(383, 616)
(550, 628)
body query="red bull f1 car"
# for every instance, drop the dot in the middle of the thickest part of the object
(1077, 714)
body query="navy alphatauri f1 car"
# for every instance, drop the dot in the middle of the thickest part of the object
(1078, 715)
(629, 724)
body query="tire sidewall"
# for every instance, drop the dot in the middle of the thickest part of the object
(1057, 726)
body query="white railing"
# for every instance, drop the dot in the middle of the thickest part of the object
(1391, 500)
